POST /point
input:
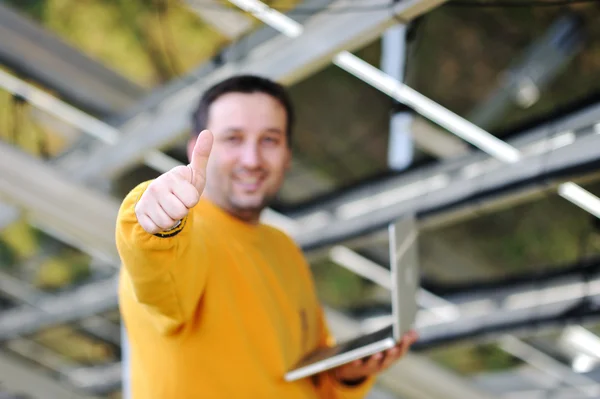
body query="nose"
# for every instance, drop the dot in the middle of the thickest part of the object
(250, 157)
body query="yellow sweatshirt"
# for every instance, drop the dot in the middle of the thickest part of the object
(219, 308)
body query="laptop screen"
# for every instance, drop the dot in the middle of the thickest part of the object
(404, 264)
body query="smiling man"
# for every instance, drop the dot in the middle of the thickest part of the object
(217, 304)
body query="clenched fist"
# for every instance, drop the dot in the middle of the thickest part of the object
(169, 198)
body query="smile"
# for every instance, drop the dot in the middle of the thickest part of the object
(248, 183)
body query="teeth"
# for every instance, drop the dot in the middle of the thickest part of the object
(248, 181)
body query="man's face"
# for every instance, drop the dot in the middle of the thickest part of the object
(250, 152)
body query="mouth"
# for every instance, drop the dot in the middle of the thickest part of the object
(248, 184)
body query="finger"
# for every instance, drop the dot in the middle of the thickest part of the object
(176, 174)
(173, 207)
(390, 357)
(373, 362)
(158, 215)
(186, 193)
(147, 224)
(414, 336)
(404, 345)
(179, 181)
(350, 371)
(200, 155)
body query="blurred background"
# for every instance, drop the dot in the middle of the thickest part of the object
(482, 117)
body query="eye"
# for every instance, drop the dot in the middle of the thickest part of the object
(233, 139)
(271, 140)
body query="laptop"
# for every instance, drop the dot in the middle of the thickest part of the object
(405, 284)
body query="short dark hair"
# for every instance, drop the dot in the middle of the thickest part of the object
(243, 84)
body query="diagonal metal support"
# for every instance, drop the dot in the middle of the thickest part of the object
(18, 377)
(284, 59)
(515, 299)
(80, 216)
(443, 204)
(34, 51)
(8, 214)
(461, 188)
(411, 377)
(36, 300)
(230, 23)
(88, 299)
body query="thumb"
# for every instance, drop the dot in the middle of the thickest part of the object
(199, 158)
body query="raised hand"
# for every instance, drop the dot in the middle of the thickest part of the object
(169, 198)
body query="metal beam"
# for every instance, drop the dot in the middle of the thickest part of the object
(453, 188)
(25, 294)
(80, 216)
(436, 141)
(468, 131)
(85, 300)
(34, 51)
(546, 137)
(553, 368)
(98, 379)
(541, 293)
(234, 54)
(18, 377)
(526, 382)
(407, 127)
(531, 73)
(509, 290)
(508, 305)
(486, 320)
(229, 22)
(287, 60)
(541, 63)
(8, 215)
(585, 146)
(412, 376)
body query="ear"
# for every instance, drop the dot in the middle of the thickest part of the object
(190, 146)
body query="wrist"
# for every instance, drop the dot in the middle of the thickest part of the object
(176, 225)
(172, 231)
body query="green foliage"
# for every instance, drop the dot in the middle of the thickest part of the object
(150, 42)
(68, 268)
(337, 286)
(467, 359)
(8, 257)
(34, 8)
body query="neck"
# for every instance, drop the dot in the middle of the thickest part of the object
(245, 215)
(250, 216)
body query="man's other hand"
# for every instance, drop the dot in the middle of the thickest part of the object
(358, 370)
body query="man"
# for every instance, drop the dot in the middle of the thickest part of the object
(216, 304)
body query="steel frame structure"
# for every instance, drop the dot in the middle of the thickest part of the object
(446, 190)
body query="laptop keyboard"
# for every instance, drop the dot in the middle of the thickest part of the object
(365, 340)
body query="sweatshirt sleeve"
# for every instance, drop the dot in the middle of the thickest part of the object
(166, 274)
(327, 385)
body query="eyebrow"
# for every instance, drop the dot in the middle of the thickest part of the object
(274, 130)
(268, 130)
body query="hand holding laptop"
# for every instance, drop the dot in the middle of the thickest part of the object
(368, 353)
(360, 369)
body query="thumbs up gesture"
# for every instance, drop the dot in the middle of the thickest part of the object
(169, 198)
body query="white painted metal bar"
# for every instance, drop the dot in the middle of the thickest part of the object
(284, 59)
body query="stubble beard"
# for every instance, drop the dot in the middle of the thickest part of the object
(250, 213)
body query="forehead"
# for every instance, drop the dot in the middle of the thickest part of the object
(247, 110)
